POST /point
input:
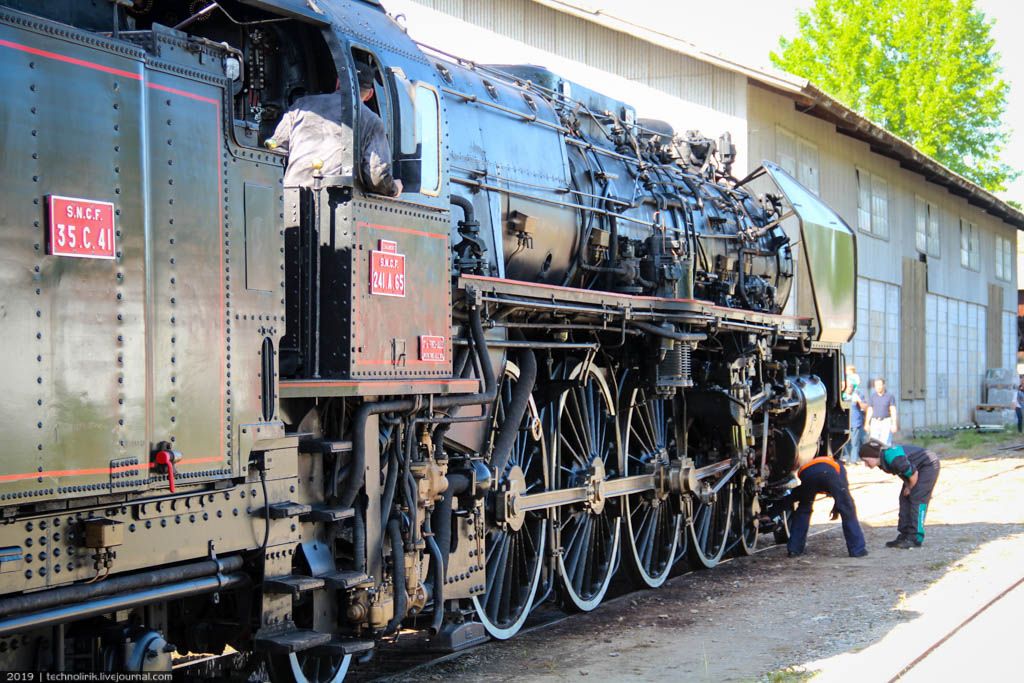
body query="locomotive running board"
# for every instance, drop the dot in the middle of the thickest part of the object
(630, 307)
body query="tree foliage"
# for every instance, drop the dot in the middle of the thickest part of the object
(926, 70)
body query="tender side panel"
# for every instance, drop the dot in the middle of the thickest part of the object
(73, 366)
(190, 325)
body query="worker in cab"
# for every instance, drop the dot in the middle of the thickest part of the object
(315, 140)
(312, 135)
(824, 475)
(919, 469)
(374, 148)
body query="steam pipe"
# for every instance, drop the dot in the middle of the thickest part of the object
(514, 415)
(438, 576)
(86, 592)
(668, 334)
(82, 610)
(355, 480)
(397, 575)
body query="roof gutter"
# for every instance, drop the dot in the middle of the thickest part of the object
(909, 156)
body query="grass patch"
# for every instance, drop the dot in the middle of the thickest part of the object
(791, 674)
(967, 442)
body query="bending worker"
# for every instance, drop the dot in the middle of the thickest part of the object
(919, 470)
(824, 475)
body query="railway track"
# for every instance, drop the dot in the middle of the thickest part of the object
(937, 644)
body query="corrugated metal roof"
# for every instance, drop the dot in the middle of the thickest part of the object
(812, 100)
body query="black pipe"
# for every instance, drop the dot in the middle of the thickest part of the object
(669, 334)
(397, 575)
(509, 430)
(457, 485)
(359, 537)
(468, 213)
(437, 575)
(82, 610)
(90, 591)
(355, 481)
(390, 484)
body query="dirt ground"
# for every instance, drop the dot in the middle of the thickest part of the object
(826, 615)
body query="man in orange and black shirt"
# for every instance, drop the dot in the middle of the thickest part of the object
(828, 476)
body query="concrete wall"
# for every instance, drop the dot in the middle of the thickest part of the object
(957, 298)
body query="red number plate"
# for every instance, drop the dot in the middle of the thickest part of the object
(82, 228)
(432, 349)
(387, 270)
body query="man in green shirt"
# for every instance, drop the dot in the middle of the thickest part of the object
(919, 470)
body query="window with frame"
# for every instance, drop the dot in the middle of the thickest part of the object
(926, 228)
(428, 121)
(872, 203)
(1004, 259)
(970, 251)
(799, 157)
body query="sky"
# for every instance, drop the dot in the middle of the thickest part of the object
(748, 30)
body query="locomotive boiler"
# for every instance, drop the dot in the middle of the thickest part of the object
(274, 425)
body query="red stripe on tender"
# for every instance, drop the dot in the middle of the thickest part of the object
(376, 383)
(184, 93)
(101, 470)
(70, 60)
(408, 231)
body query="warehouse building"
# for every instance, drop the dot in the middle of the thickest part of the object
(937, 281)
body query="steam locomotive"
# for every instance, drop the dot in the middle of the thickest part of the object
(278, 424)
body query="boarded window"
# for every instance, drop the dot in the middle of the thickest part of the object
(807, 158)
(786, 150)
(872, 204)
(926, 227)
(912, 329)
(863, 200)
(1004, 256)
(879, 206)
(994, 327)
(970, 251)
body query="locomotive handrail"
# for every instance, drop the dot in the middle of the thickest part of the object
(528, 118)
(487, 186)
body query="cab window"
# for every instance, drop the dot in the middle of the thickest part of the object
(428, 121)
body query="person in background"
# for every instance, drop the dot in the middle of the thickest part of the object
(919, 470)
(1018, 404)
(881, 414)
(852, 393)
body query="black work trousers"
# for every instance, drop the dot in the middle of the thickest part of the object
(823, 478)
(914, 507)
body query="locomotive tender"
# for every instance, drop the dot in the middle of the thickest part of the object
(291, 421)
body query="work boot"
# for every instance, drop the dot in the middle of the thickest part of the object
(907, 543)
(862, 553)
(895, 543)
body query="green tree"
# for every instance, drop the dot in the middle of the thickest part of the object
(926, 70)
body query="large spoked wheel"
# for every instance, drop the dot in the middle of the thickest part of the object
(304, 668)
(745, 514)
(586, 452)
(709, 527)
(515, 548)
(652, 524)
